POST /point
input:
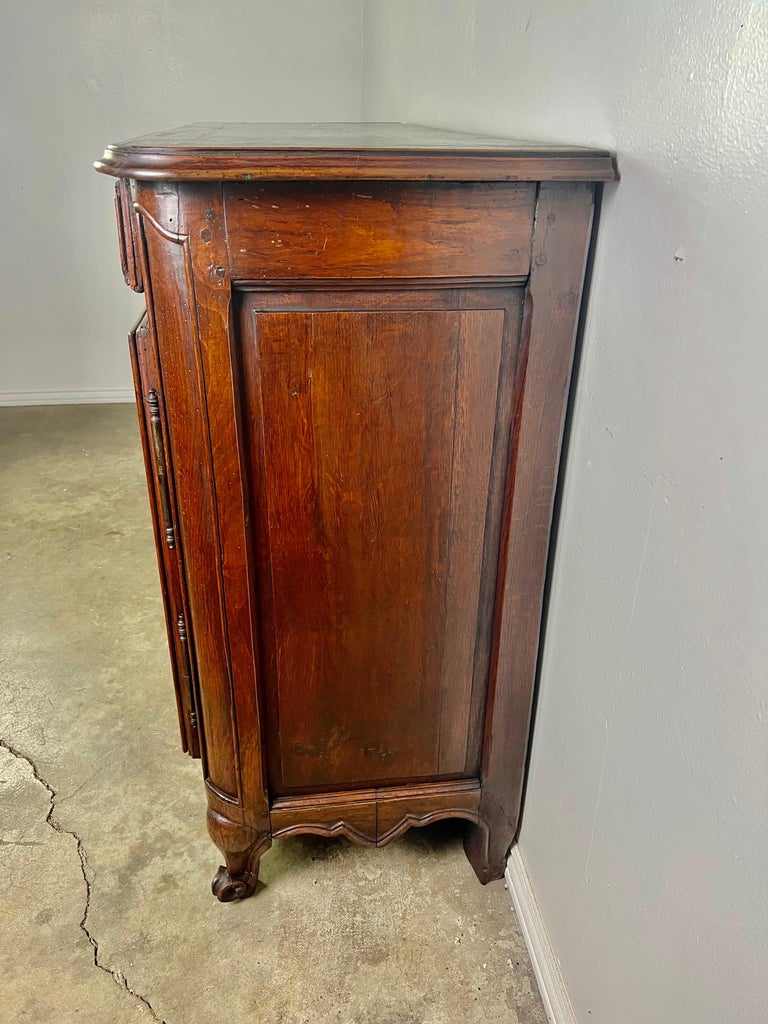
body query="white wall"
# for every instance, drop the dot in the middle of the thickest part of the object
(79, 74)
(646, 827)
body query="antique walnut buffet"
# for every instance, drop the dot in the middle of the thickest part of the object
(351, 377)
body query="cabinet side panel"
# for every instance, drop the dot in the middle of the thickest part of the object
(373, 432)
(475, 401)
(561, 238)
(357, 469)
(509, 374)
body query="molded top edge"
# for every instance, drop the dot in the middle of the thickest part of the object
(242, 152)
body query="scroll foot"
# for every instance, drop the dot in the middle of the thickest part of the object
(226, 887)
(242, 847)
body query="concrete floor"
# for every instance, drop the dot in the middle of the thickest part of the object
(105, 863)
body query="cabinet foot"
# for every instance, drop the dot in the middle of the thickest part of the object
(486, 847)
(226, 887)
(242, 848)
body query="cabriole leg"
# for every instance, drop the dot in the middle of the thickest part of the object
(242, 848)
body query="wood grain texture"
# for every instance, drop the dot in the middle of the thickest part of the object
(395, 152)
(242, 848)
(352, 815)
(473, 416)
(351, 515)
(127, 236)
(385, 229)
(173, 325)
(362, 441)
(375, 817)
(369, 595)
(400, 809)
(561, 239)
(146, 378)
(188, 307)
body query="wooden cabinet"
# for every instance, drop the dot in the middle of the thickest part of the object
(352, 378)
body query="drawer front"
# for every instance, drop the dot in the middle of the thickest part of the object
(161, 500)
(381, 230)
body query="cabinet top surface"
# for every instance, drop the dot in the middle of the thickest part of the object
(243, 152)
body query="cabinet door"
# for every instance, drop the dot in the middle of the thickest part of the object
(146, 378)
(377, 426)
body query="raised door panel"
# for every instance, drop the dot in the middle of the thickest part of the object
(372, 435)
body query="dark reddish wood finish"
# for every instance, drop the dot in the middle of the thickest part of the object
(146, 381)
(385, 229)
(553, 299)
(338, 152)
(373, 430)
(352, 402)
(127, 236)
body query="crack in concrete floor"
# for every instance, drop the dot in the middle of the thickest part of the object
(117, 976)
(402, 935)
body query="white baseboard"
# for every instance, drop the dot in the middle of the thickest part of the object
(554, 995)
(88, 397)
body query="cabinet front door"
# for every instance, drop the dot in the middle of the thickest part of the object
(377, 431)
